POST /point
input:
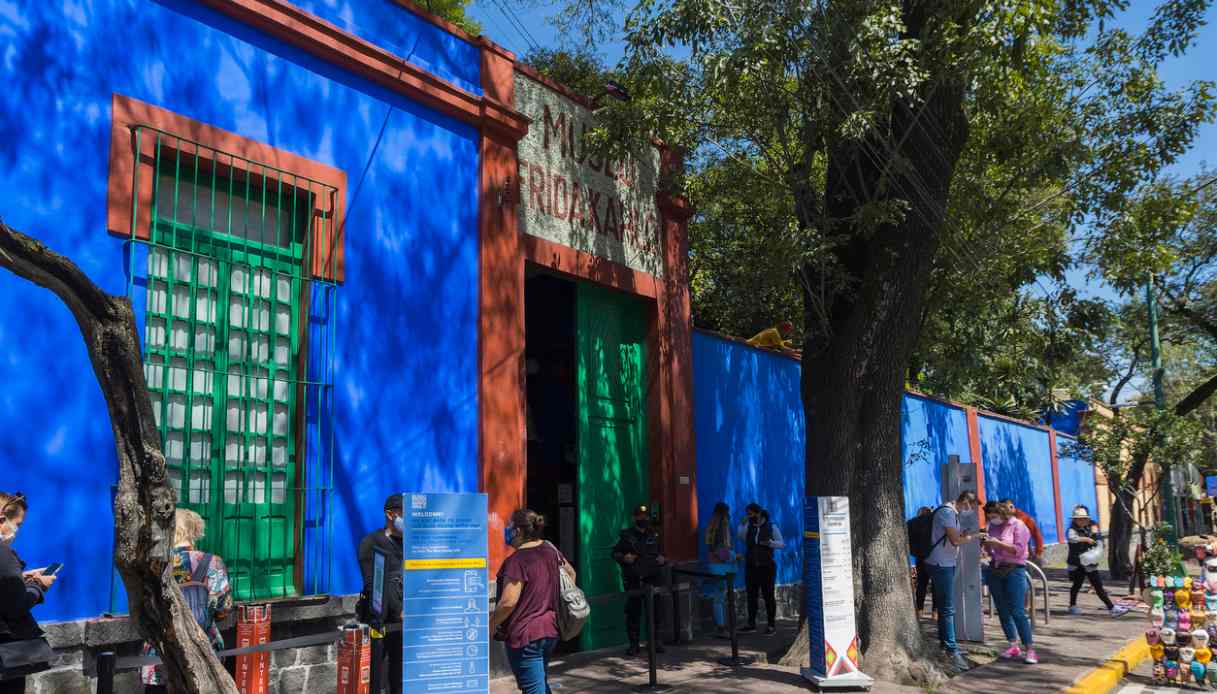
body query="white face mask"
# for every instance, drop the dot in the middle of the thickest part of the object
(8, 531)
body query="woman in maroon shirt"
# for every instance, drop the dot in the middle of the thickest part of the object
(526, 616)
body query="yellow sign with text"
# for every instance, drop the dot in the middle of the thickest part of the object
(428, 564)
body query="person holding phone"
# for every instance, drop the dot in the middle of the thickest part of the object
(20, 590)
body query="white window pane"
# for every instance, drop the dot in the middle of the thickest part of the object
(158, 297)
(261, 349)
(236, 416)
(205, 306)
(182, 267)
(205, 340)
(200, 486)
(232, 454)
(175, 482)
(232, 487)
(158, 262)
(203, 379)
(175, 446)
(278, 454)
(181, 336)
(236, 311)
(256, 454)
(258, 385)
(281, 424)
(258, 416)
(236, 346)
(239, 279)
(200, 449)
(181, 301)
(278, 488)
(283, 319)
(156, 410)
(283, 288)
(282, 389)
(154, 372)
(177, 374)
(262, 283)
(260, 318)
(256, 491)
(283, 350)
(208, 272)
(177, 411)
(200, 412)
(155, 333)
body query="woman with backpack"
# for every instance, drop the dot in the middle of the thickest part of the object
(526, 614)
(203, 579)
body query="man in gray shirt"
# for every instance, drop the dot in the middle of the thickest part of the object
(941, 562)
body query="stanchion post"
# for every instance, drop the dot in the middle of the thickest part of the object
(735, 660)
(652, 684)
(105, 672)
(672, 593)
(378, 649)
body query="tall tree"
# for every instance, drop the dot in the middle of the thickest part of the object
(866, 114)
(144, 505)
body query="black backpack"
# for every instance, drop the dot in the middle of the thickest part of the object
(921, 535)
(197, 592)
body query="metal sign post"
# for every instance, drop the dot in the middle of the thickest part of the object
(957, 478)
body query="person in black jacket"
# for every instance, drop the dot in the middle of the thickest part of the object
(638, 553)
(20, 590)
(389, 541)
(761, 538)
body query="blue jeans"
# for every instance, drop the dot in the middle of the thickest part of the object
(531, 665)
(942, 578)
(715, 590)
(1009, 596)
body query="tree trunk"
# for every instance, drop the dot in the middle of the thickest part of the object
(1119, 532)
(860, 338)
(144, 506)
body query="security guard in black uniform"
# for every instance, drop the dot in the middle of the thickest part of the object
(638, 553)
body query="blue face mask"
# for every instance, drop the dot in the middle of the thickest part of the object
(508, 534)
(399, 524)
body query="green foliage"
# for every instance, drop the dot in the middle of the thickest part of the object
(454, 11)
(580, 70)
(1143, 433)
(1161, 558)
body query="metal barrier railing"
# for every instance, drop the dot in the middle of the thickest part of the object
(649, 592)
(735, 659)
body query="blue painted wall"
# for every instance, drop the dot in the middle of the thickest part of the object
(1077, 479)
(405, 398)
(930, 432)
(1018, 466)
(748, 419)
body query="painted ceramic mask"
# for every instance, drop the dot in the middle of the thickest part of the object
(1157, 651)
(1159, 672)
(1183, 598)
(1185, 622)
(1198, 671)
(1187, 583)
(1197, 596)
(1172, 669)
(1157, 616)
(1183, 637)
(1167, 635)
(1212, 668)
(1204, 655)
(1171, 653)
(1200, 637)
(1187, 654)
(1152, 636)
(1156, 598)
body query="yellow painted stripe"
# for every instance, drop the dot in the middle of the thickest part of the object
(811, 535)
(1107, 676)
(425, 564)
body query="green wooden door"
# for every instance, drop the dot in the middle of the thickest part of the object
(613, 470)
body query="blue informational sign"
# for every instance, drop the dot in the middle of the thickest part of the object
(378, 585)
(1210, 485)
(828, 586)
(446, 632)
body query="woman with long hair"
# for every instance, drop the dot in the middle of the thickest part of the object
(720, 560)
(526, 616)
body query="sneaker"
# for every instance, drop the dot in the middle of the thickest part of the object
(1119, 610)
(748, 629)
(1012, 652)
(1031, 658)
(1074, 609)
(959, 661)
(770, 631)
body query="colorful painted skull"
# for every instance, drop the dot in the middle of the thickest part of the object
(1183, 598)
(1152, 636)
(1212, 668)
(1198, 672)
(1171, 653)
(1210, 601)
(1172, 669)
(1157, 616)
(1186, 654)
(1186, 584)
(1184, 622)
(1197, 596)
(1157, 651)
(1167, 635)
(1183, 638)
(1200, 637)
(1204, 654)
(1159, 672)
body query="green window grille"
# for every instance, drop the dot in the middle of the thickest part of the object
(227, 312)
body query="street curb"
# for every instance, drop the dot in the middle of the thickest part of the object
(1107, 676)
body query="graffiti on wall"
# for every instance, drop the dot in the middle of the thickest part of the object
(576, 198)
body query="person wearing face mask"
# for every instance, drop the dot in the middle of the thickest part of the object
(1007, 543)
(389, 541)
(526, 613)
(760, 573)
(946, 538)
(638, 553)
(20, 590)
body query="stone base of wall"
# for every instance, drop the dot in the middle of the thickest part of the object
(310, 670)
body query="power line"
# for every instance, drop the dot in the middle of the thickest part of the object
(514, 20)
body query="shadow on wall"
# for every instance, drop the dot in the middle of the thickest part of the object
(930, 432)
(1077, 480)
(1018, 466)
(748, 418)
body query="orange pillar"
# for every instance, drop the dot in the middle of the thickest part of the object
(501, 454)
(253, 629)
(974, 452)
(355, 660)
(1056, 486)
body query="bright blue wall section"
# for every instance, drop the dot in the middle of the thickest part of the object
(1018, 466)
(930, 431)
(748, 419)
(405, 401)
(403, 33)
(1077, 479)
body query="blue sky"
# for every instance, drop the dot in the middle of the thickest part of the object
(1197, 64)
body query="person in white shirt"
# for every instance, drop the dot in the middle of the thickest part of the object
(941, 561)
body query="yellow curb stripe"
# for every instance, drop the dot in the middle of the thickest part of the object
(1107, 676)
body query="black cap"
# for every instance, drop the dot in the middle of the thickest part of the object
(393, 503)
(641, 510)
